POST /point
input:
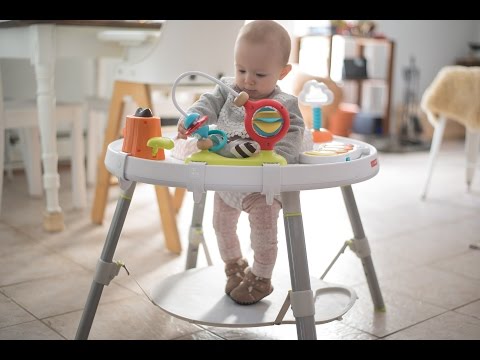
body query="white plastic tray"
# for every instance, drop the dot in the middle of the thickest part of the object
(295, 177)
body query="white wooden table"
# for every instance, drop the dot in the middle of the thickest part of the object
(43, 42)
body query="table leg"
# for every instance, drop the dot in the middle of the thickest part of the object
(102, 276)
(43, 60)
(297, 258)
(361, 240)
(195, 235)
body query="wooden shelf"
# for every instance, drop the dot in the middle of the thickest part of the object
(361, 43)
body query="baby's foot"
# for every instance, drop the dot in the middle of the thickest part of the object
(235, 272)
(252, 289)
(244, 149)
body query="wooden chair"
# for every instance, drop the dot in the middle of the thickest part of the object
(183, 45)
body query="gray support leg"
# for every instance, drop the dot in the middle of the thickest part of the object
(361, 240)
(107, 255)
(297, 258)
(195, 236)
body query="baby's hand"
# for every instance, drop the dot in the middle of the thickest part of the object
(204, 144)
(182, 132)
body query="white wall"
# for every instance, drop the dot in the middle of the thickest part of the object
(433, 43)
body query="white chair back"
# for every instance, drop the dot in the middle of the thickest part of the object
(184, 45)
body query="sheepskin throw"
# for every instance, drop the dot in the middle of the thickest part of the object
(455, 94)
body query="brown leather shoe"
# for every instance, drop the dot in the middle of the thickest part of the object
(235, 272)
(252, 289)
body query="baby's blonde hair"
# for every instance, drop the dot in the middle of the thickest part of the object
(261, 31)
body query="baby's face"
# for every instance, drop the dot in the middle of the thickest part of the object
(258, 67)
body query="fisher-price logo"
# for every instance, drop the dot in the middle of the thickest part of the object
(373, 163)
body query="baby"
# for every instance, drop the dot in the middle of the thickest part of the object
(262, 50)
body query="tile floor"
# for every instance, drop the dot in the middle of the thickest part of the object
(429, 276)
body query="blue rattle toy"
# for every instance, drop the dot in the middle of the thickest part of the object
(196, 127)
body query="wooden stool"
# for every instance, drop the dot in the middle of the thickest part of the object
(168, 204)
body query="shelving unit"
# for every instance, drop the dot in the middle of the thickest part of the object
(360, 44)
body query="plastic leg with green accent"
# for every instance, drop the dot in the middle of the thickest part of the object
(105, 271)
(195, 236)
(299, 274)
(360, 246)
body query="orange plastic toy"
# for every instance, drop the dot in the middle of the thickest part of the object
(138, 129)
(321, 135)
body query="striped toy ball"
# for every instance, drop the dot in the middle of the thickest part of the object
(267, 121)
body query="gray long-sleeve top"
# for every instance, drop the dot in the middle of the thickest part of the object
(220, 109)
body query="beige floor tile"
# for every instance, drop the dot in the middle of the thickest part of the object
(436, 287)
(401, 312)
(86, 247)
(34, 330)
(466, 264)
(335, 330)
(19, 209)
(407, 218)
(81, 246)
(132, 318)
(348, 269)
(60, 294)
(448, 326)
(31, 261)
(10, 238)
(11, 313)
(472, 309)
(433, 243)
(420, 253)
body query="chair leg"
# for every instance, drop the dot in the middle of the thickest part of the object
(169, 221)
(472, 142)
(91, 145)
(79, 184)
(436, 142)
(95, 121)
(111, 133)
(141, 95)
(178, 196)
